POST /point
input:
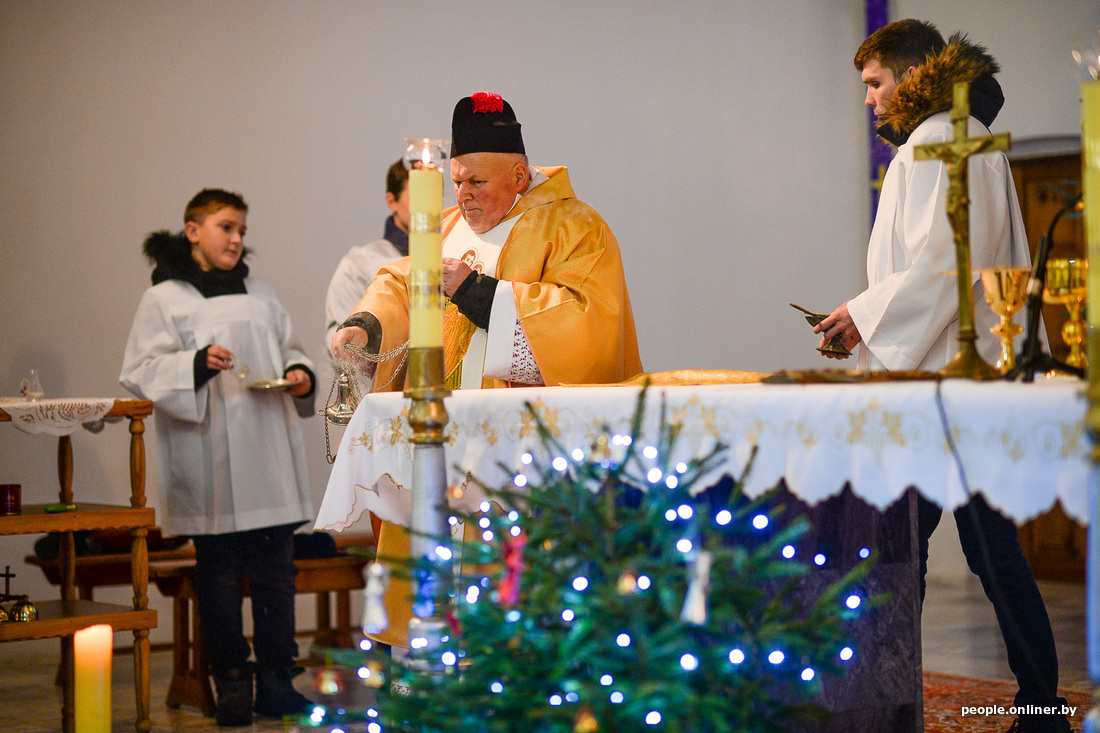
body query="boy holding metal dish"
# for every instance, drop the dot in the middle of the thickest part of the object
(213, 349)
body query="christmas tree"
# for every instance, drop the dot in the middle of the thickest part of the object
(609, 592)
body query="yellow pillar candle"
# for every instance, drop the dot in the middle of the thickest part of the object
(92, 673)
(1090, 149)
(425, 258)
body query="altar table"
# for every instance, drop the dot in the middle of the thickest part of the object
(846, 452)
(1024, 446)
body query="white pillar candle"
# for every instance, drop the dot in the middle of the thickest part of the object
(425, 258)
(92, 660)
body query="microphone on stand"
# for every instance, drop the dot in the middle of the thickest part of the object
(1032, 358)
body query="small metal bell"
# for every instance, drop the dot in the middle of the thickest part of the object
(23, 610)
(340, 410)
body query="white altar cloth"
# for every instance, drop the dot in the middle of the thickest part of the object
(1023, 446)
(57, 416)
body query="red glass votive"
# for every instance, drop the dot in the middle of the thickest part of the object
(9, 499)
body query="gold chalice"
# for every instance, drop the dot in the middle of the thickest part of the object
(1006, 292)
(1067, 283)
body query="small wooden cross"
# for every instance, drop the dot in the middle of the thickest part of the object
(7, 575)
(956, 154)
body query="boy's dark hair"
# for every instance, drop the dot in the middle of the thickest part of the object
(396, 179)
(210, 200)
(901, 44)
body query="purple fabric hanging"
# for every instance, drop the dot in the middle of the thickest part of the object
(877, 16)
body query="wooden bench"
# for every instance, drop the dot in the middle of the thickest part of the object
(331, 579)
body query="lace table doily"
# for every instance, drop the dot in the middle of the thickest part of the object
(57, 416)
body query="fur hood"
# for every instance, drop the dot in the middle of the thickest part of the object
(930, 89)
(170, 255)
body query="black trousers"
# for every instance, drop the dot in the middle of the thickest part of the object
(1009, 585)
(266, 557)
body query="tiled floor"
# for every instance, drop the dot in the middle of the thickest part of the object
(960, 634)
(960, 637)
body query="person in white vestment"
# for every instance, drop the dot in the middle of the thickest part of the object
(358, 267)
(907, 318)
(232, 462)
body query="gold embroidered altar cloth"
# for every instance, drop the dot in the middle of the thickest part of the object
(1023, 446)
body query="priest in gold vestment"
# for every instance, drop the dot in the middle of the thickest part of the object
(535, 283)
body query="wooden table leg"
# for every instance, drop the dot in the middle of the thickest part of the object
(68, 695)
(190, 682)
(324, 635)
(343, 619)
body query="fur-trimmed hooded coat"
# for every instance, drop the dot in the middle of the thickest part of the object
(908, 316)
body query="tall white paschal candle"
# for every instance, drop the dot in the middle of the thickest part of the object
(92, 666)
(425, 257)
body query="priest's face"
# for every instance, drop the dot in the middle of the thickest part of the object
(217, 243)
(486, 186)
(880, 83)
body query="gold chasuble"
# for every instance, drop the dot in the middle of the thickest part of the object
(569, 294)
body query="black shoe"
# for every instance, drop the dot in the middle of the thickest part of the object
(234, 688)
(276, 696)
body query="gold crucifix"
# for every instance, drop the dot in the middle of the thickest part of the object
(955, 154)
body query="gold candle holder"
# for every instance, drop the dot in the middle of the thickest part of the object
(1067, 284)
(1006, 293)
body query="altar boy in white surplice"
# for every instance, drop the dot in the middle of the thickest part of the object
(232, 460)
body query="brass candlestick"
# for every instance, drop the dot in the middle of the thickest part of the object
(1067, 284)
(1006, 292)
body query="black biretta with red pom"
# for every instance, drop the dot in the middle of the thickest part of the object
(485, 123)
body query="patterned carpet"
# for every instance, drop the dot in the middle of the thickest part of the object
(945, 695)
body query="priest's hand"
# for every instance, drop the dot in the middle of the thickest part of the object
(455, 273)
(839, 323)
(357, 336)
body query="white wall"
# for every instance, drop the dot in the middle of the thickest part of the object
(724, 142)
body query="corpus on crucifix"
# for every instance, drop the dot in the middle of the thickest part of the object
(956, 154)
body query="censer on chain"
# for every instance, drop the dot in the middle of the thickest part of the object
(345, 394)
(339, 410)
(342, 406)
